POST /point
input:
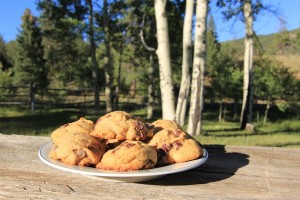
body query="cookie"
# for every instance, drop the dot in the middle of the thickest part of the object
(175, 146)
(73, 144)
(120, 125)
(77, 148)
(163, 140)
(165, 124)
(80, 126)
(130, 155)
(185, 150)
(167, 137)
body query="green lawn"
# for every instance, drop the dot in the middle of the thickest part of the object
(281, 133)
(25, 122)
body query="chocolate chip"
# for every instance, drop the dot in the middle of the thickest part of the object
(170, 132)
(114, 151)
(141, 126)
(165, 147)
(79, 152)
(128, 145)
(142, 135)
(136, 126)
(150, 126)
(177, 145)
(93, 150)
(118, 147)
(177, 133)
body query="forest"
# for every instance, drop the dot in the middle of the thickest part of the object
(165, 52)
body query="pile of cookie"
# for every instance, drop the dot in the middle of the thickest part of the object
(122, 142)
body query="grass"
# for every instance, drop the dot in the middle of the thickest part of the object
(278, 133)
(284, 134)
(277, 140)
(33, 123)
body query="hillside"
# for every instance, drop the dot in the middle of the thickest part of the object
(283, 46)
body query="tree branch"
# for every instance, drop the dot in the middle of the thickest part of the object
(142, 36)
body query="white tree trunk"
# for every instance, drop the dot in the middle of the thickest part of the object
(150, 106)
(246, 112)
(268, 106)
(187, 61)
(197, 87)
(164, 59)
(220, 111)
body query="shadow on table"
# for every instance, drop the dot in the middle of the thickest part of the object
(219, 166)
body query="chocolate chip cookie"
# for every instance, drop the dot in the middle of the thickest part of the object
(161, 124)
(175, 146)
(185, 150)
(80, 126)
(129, 155)
(121, 125)
(72, 144)
(77, 148)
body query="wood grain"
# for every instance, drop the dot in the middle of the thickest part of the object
(231, 172)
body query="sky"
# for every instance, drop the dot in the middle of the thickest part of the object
(11, 12)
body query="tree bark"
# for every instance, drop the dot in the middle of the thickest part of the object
(235, 110)
(220, 111)
(163, 53)
(150, 106)
(93, 55)
(187, 62)
(268, 106)
(108, 69)
(197, 87)
(247, 106)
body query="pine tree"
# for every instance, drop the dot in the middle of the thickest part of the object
(62, 24)
(5, 62)
(214, 67)
(5, 70)
(213, 47)
(30, 64)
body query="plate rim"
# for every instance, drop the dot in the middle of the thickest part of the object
(89, 171)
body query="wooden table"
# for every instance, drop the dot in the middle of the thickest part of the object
(231, 172)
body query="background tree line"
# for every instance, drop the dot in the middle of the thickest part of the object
(112, 46)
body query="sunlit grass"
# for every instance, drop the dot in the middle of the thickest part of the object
(286, 126)
(280, 134)
(276, 140)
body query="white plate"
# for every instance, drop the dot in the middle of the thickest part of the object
(108, 175)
